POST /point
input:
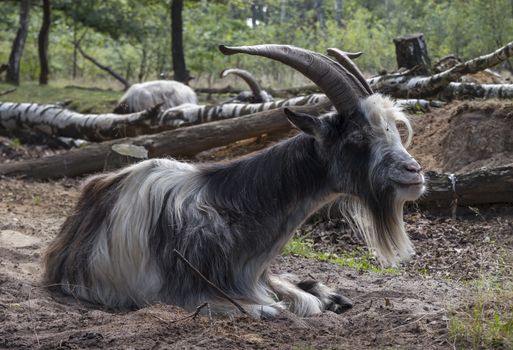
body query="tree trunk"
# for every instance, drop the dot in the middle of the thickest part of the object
(283, 10)
(180, 143)
(142, 65)
(13, 71)
(339, 5)
(75, 49)
(42, 42)
(179, 67)
(411, 51)
(254, 14)
(318, 4)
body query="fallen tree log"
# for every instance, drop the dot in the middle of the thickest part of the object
(193, 114)
(416, 105)
(485, 186)
(472, 90)
(283, 93)
(56, 121)
(406, 86)
(180, 143)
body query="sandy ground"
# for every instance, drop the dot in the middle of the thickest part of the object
(407, 309)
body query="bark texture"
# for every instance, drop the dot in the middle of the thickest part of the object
(470, 90)
(180, 143)
(55, 121)
(484, 186)
(178, 56)
(411, 51)
(405, 86)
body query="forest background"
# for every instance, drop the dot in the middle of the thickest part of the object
(134, 37)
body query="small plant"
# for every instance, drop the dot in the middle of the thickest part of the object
(358, 259)
(15, 142)
(488, 322)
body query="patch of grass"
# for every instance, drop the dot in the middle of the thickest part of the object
(15, 142)
(358, 259)
(488, 322)
(81, 100)
(37, 199)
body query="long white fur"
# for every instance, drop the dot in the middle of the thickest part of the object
(169, 92)
(389, 247)
(123, 259)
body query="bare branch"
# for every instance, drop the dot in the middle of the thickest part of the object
(216, 288)
(109, 70)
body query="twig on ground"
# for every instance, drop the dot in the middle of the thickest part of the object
(191, 316)
(31, 316)
(406, 324)
(216, 288)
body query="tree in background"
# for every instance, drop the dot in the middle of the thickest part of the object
(179, 67)
(13, 70)
(132, 36)
(42, 41)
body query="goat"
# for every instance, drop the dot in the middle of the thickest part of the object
(148, 94)
(256, 95)
(231, 219)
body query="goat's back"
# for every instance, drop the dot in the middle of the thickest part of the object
(146, 95)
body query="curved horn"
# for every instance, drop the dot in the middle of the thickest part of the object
(344, 58)
(332, 78)
(246, 76)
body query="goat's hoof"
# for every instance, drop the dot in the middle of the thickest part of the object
(338, 303)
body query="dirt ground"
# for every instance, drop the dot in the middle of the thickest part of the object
(409, 308)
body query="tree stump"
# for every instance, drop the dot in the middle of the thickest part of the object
(411, 51)
(123, 154)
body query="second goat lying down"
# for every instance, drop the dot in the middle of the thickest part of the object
(148, 94)
(231, 219)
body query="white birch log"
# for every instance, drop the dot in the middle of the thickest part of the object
(471, 90)
(56, 121)
(404, 86)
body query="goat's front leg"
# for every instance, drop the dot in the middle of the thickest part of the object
(309, 297)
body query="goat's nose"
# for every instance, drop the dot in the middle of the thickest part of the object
(412, 166)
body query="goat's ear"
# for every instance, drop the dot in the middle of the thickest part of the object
(304, 122)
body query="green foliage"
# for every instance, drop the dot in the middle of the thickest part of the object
(133, 37)
(488, 322)
(358, 259)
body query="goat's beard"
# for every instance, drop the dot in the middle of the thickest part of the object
(380, 222)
